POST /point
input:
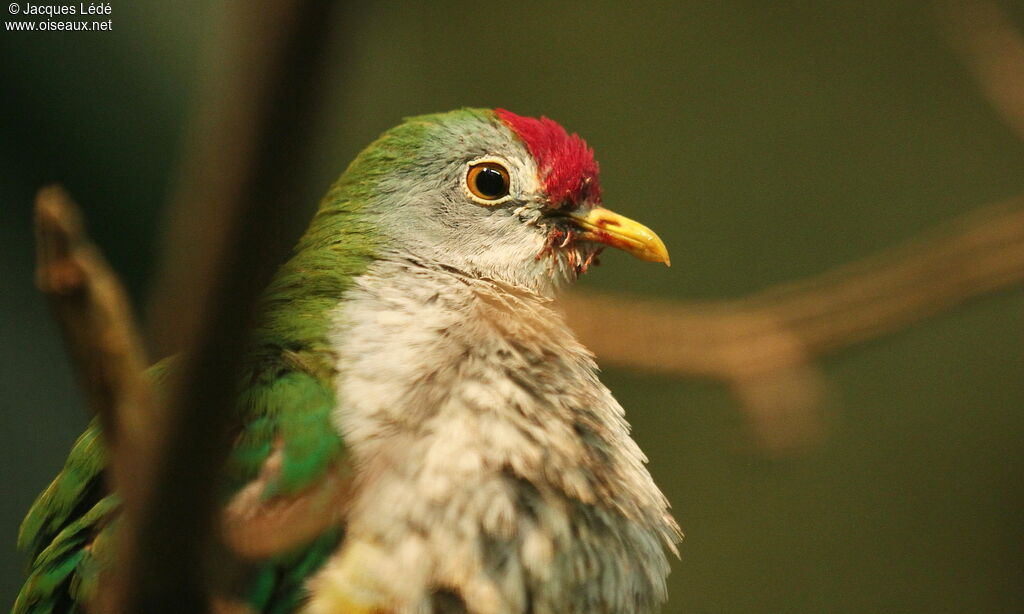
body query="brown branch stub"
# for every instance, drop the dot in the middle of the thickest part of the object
(92, 309)
(59, 243)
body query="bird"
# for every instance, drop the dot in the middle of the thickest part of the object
(411, 350)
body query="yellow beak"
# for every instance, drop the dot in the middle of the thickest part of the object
(603, 226)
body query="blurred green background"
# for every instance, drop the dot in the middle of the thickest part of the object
(765, 141)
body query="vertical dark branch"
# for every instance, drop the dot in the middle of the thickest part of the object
(223, 245)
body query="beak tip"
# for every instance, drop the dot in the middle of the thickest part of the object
(607, 227)
(659, 253)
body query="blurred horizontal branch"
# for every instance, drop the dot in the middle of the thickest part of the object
(765, 345)
(992, 47)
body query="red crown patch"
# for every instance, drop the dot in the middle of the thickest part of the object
(566, 164)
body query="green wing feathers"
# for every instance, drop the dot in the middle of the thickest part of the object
(68, 530)
(60, 529)
(64, 573)
(78, 485)
(291, 408)
(61, 526)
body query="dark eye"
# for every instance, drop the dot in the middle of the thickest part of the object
(487, 182)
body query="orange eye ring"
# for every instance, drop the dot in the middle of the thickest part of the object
(488, 182)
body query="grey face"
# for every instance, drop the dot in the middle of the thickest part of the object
(431, 210)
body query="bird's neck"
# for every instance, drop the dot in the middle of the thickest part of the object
(411, 332)
(295, 311)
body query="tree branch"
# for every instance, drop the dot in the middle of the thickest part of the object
(984, 36)
(765, 346)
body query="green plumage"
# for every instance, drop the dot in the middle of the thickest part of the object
(286, 395)
(293, 407)
(76, 485)
(278, 587)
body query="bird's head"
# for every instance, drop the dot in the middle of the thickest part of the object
(493, 194)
